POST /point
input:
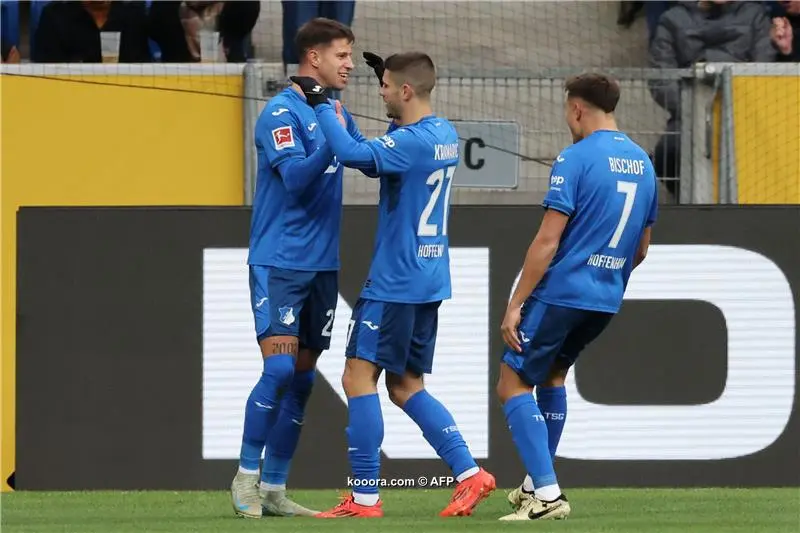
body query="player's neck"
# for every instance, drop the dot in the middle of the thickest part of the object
(601, 124)
(413, 114)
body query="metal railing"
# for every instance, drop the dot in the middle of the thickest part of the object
(532, 99)
(677, 126)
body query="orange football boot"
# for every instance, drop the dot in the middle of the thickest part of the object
(348, 508)
(469, 493)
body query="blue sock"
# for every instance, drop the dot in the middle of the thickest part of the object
(530, 437)
(364, 439)
(261, 409)
(440, 430)
(552, 403)
(286, 433)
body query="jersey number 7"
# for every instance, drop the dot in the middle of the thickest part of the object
(628, 188)
(425, 228)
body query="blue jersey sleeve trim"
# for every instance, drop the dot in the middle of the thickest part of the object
(348, 151)
(558, 206)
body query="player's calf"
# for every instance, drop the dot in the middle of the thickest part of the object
(285, 434)
(365, 432)
(261, 411)
(529, 432)
(440, 430)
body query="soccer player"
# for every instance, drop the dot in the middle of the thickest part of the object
(596, 228)
(394, 323)
(293, 265)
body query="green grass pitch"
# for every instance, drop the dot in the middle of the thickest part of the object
(593, 511)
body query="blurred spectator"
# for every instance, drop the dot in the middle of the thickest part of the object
(176, 28)
(628, 11)
(297, 13)
(786, 30)
(701, 32)
(10, 53)
(70, 32)
(653, 11)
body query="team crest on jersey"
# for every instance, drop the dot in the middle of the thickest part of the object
(283, 137)
(286, 315)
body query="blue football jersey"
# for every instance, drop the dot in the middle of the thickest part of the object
(298, 231)
(411, 260)
(607, 186)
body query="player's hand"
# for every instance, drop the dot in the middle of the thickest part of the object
(314, 92)
(338, 107)
(375, 62)
(509, 328)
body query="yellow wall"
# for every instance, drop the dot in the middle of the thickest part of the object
(766, 112)
(74, 141)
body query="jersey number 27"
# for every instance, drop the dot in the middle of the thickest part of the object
(425, 227)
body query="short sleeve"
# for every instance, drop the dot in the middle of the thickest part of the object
(564, 178)
(277, 133)
(652, 216)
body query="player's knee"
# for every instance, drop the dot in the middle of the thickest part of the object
(510, 384)
(352, 381)
(401, 388)
(502, 390)
(360, 377)
(303, 383)
(557, 376)
(306, 360)
(278, 371)
(398, 394)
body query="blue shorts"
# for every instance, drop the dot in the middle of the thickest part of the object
(396, 337)
(549, 332)
(294, 302)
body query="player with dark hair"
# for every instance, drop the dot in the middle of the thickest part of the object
(394, 323)
(293, 263)
(600, 208)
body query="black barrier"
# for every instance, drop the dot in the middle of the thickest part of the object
(110, 343)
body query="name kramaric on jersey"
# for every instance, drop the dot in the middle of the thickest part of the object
(445, 152)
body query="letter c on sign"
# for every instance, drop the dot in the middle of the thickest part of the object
(468, 153)
(756, 301)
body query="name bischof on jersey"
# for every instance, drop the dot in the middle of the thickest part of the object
(430, 251)
(606, 261)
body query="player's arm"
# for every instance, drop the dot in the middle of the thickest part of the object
(540, 253)
(644, 245)
(560, 204)
(644, 241)
(352, 128)
(385, 155)
(278, 135)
